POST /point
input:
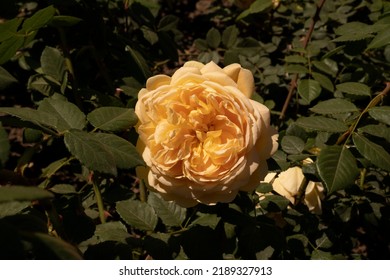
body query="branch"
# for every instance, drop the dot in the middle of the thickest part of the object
(294, 81)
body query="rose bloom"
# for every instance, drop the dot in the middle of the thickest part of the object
(200, 135)
(288, 182)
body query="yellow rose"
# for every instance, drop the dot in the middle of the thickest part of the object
(288, 182)
(201, 136)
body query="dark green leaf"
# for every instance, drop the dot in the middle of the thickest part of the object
(53, 167)
(354, 88)
(90, 152)
(380, 40)
(295, 59)
(170, 213)
(378, 130)
(21, 193)
(308, 90)
(292, 144)
(57, 246)
(353, 37)
(296, 68)
(207, 220)
(64, 21)
(201, 44)
(137, 214)
(381, 114)
(115, 231)
(264, 188)
(53, 63)
(334, 106)
(125, 154)
(67, 114)
(63, 189)
(168, 23)
(9, 48)
(326, 67)
(149, 35)
(41, 83)
(113, 119)
(6, 79)
(11, 208)
(41, 119)
(371, 151)
(322, 124)
(337, 168)
(4, 145)
(229, 36)
(274, 203)
(213, 38)
(324, 81)
(9, 28)
(38, 20)
(140, 62)
(256, 7)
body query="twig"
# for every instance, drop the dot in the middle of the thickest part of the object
(294, 81)
(345, 136)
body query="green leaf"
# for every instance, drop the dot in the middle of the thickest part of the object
(22, 193)
(63, 189)
(9, 48)
(256, 7)
(140, 62)
(308, 90)
(334, 106)
(67, 114)
(354, 88)
(296, 68)
(6, 79)
(113, 119)
(137, 214)
(295, 59)
(380, 40)
(207, 220)
(53, 63)
(353, 37)
(112, 231)
(168, 23)
(90, 152)
(64, 21)
(170, 213)
(381, 114)
(270, 201)
(264, 188)
(61, 249)
(53, 167)
(378, 130)
(337, 168)
(4, 145)
(9, 28)
(42, 119)
(321, 124)
(324, 81)
(38, 20)
(125, 154)
(371, 151)
(201, 44)
(213, 38)
(11, 208)
(149, 35)
(41, 83)
(229, 36)
(292, 144)
(326, 66)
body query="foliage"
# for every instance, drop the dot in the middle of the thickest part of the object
(69, 77)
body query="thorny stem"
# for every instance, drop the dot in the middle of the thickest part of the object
(294, 81)
(344, 137)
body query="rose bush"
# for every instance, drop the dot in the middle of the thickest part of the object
(288, 182)
(201, 136)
